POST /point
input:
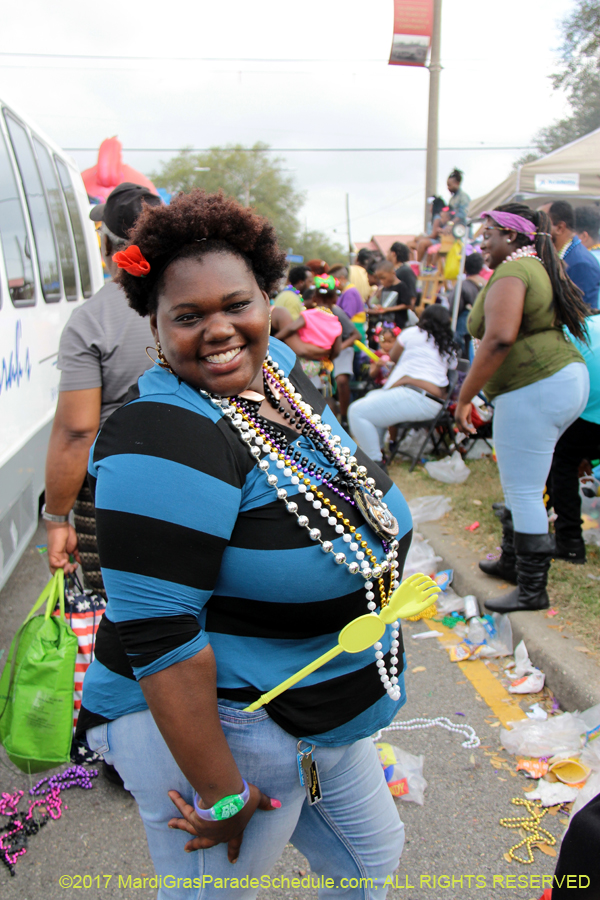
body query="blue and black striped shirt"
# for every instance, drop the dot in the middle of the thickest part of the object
(195, 548)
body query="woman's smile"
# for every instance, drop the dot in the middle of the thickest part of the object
(225, 360)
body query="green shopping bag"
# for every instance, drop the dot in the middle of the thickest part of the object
(36, 687)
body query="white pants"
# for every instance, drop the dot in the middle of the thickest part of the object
(371, 416)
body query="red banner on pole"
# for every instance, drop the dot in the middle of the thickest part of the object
(413, 24)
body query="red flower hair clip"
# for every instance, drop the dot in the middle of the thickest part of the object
(133, 261)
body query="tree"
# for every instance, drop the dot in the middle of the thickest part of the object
(256, 179)
(316, 245)
(252, 177)
(579, 77)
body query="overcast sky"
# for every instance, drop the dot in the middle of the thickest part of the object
(495, 90)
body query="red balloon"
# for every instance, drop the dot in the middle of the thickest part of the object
(110, 170)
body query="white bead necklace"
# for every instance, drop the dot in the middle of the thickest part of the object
(522, 252)
(259, 443)
(413, 724)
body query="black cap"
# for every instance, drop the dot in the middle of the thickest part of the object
(122, 207)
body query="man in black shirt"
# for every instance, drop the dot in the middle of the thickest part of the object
(399, 255)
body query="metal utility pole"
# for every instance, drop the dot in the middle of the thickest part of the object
(350, 251)
(434, 102)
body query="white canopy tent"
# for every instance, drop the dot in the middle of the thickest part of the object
(570, 173)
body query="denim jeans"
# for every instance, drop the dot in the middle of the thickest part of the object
(372, 415)
(354, 833)
(527, 425)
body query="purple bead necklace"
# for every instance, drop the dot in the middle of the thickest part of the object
(288, 461)
(75, 776)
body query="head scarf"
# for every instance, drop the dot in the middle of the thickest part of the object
(511, 222)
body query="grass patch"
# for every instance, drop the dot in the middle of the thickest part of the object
(571, 590)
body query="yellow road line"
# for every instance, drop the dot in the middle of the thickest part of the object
(503, 705)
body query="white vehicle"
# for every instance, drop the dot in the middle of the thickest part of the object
(49, 263)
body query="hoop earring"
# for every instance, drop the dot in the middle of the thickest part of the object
(161, 359)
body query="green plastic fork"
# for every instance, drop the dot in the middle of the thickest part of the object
(414, 595)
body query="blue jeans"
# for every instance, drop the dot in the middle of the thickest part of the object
(371, 416)
(354, 833)
(527, 425)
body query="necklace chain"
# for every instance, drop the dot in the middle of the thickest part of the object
(366, 563)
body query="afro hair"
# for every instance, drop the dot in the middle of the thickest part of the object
(195, 224)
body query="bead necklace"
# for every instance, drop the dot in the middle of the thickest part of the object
(272, 430)
(531, 826)
(21, 826)
(359, 490)
(522, 252)
(278, 443)
(289, 462)
(564, 251)
(472, 741)
(75, 776)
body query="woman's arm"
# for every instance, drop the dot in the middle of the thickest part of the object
(306, 351)
(503, 316)
(75, 426)
(396, 351)
(189, 722)
(337, 346)
(291, 328)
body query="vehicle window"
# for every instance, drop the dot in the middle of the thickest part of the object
(38, 210)
(59, 218)
(13, 235)
(77, 225)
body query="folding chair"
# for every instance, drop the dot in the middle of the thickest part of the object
(437, 429)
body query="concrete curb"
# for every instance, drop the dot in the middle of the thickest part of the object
(572, 676)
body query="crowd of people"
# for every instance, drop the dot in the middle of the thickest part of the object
(235, 415)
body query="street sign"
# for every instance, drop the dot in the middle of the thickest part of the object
(294, 258)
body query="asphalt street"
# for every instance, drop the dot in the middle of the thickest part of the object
(455, 834)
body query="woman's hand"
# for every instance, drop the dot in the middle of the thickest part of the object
(62, 545)
(462, 417)
(228, 831)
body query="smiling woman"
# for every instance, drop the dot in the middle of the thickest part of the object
(209, 488)
(537, 380)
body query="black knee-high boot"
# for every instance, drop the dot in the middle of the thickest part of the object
(504, 567)
(534, 555)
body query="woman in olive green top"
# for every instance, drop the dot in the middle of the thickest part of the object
(536, 379)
